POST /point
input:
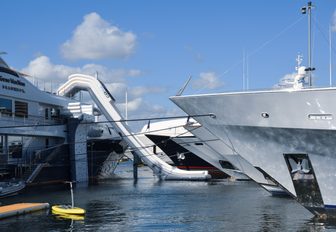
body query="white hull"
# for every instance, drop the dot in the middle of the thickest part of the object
(201, 149)
(224, 150)
(264, 127)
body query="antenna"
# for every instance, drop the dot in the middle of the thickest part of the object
(244, 70)
(126, 105)
(2, 62)
(309, 69)
(330, 58)
(298, 61)
(179, 93)
(247, 74)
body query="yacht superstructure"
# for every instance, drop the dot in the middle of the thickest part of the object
(39, 134)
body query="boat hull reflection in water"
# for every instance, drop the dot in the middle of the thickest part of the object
(153, 205)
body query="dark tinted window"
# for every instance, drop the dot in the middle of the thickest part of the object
(5, 106)
(21, 109)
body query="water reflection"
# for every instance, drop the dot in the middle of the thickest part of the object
(270, 222)
(67, 223)
(152, 205)
(72, 217)
(319, 224)
(107, 212)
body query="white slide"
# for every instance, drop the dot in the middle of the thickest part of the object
(106, 103)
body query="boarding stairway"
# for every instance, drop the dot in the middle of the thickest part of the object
(41, 160)
(35, 171)
(106, 103)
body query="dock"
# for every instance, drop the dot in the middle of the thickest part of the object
(21, 208)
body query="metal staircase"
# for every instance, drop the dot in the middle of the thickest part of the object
(41, 160)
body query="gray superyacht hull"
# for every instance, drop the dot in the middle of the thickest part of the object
(288, 134)
(224, 150)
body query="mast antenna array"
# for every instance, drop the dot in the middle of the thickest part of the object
(309, 69)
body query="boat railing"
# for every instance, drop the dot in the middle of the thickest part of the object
(48, 86)
(48, 154)
(25, 120)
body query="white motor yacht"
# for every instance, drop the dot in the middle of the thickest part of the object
(46, 138)
(287, 133)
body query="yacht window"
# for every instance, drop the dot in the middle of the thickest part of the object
(46, 113)
(2, 144)
(55, 113)
(6, 106)
(15, 146)
(8, 71)
(198, 144)
(21, 109)
(226, 164)
(320, 116)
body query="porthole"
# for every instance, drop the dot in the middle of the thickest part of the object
(264, 115)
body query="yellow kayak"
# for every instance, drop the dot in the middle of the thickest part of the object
(67, 209)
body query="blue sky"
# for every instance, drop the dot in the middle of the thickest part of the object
(152, 47)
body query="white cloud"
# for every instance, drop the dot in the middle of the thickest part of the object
(134, 72)
(134, 104)
(42, 68)
(207, 80)
(96, 38)
(117, 90)
(333, 22)
(141, 109)
(48, 76)
(286, 81)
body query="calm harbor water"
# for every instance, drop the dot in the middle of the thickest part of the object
(153, 205)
